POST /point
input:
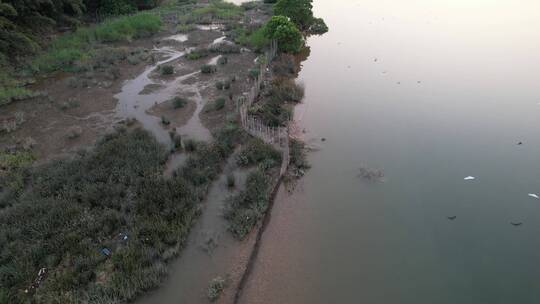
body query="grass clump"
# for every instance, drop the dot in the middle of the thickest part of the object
(256, 151)
(254, 73)
(224, 48)
(208, 69)
(217, 11)
(14, 167)
(253, 38)
(273, 112)
(298, 158)
(197, 53)
(216, 105)
(245, 209)
(185, 28)
(215, 288)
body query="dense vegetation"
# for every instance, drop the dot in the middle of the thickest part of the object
(77, 51)
(112, 198)
(286, 33)
(245, 209)
(25, 28)
(299, 11)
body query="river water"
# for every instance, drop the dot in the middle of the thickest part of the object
(429, 91)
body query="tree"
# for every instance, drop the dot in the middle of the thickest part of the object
(285, 32)
(300, 11)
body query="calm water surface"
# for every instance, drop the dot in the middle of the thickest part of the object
(429, 91)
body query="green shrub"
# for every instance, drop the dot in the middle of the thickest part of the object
(256, 151)
(185, 28)
(165, 121)
(273, 113)
(190, 145)
(177, 142)
(256, 39)
(318, 26)
(287, 90)
(197, 53)
(286, 33)
(231, 181)
(219, 104)
(217, 10)
(166, 70)
(179, 102)
(298, 159)
(10, 94)
(223, 84)
(208, 69)
(117, 7)
(244, 210)
(254, 73)
(299, 11)
(223, 60)
(224, 48)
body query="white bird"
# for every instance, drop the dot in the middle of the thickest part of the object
(469, 178)
(534, 195)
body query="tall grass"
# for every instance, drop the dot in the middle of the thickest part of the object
(255, 39)
(73, 208)
(217, 10)
(67, 49)
(244, 210)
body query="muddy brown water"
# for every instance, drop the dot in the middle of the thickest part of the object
(429, 91)
(133, 102)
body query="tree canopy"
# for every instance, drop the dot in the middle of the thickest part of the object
(24, 22)
(300, 11)
(286, 33)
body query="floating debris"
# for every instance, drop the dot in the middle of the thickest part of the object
(373, 175)
(534, 195)
(516, 224)
(470, 178)
(520, 143)
(375, 59)
(453, 217)
(323, 139)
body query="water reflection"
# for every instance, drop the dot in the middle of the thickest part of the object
(452, 90)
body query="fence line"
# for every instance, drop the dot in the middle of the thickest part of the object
(276, 136)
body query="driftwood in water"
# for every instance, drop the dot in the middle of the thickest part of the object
(373, 175)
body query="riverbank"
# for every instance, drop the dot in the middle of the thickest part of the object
(177, 92)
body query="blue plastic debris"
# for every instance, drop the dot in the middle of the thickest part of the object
(106, 251)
